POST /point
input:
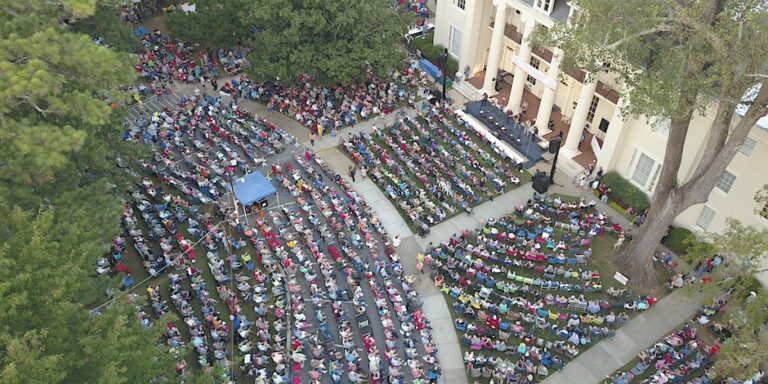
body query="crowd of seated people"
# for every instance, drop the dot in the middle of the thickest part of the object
(328, 109)
(430, 167)
(681, 356)
(296, 268)
(522, 286)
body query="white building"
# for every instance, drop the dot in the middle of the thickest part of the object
(490, 36)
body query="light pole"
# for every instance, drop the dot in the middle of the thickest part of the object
(445, 71)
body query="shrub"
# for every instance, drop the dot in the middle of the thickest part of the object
(677, 240)
(625, 193)
(434, 53)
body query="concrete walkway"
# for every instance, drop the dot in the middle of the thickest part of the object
(592, 366)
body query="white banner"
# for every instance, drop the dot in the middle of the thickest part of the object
(535, 73)
(595, 146)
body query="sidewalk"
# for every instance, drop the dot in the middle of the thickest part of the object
(607, 356)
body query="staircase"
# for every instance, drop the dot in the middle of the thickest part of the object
(467, 90)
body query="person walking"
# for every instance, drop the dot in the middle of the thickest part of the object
(312, 138)
(214, 84)
(352, 172)
(364, 171)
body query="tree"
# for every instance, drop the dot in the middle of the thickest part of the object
(215, 23)
(58, 141)
(744, 248)
(333, 40)
(677, 59)
(106, 26)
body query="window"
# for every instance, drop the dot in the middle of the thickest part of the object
(748, 146)
(726, 181)
(461, 3)
(643, 169)
(705, 218)
(534, 63)
(544, 4)
(454, 42)
(655, 178)
(592, 109)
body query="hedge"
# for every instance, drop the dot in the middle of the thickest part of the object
(676, 240)
(625, 193)
(434, 53)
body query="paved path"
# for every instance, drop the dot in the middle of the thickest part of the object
(592, 366)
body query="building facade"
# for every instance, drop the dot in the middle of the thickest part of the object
(489, 38)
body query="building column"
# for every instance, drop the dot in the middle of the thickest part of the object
(523, 54)
(579, 120)
(605, 159)
(497, 43)
(548, 97)
(473, 23)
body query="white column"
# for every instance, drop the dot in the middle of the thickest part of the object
(612, 135)
(497, 42)
(473, 23)
(548, 97)
(523, 54)
(579, 120)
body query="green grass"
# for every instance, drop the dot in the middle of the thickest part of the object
(601, 260)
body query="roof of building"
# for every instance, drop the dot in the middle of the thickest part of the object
(253, 187)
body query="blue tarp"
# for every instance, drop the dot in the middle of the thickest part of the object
(430, 68)
(253, 187)
(140, 32)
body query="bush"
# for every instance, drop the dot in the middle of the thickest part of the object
(434, 53)
(677, 240)
(625, 193)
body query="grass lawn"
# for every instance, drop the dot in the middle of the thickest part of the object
(601, 260)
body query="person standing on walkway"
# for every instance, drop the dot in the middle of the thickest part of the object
(312, 138)
(363, 171)
(352, 172)
(214, 84)
(396, 241)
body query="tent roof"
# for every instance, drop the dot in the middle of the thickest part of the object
(252, 187)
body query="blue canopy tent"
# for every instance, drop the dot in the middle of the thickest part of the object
(431, 69)
(254, 188)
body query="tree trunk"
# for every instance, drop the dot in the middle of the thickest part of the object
(636, 262)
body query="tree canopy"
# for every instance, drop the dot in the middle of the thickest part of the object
(333, 40)
(216, 23)
(60, 203)
(676, 59)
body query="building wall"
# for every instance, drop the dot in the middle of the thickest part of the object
(638, 136)
(738, 202)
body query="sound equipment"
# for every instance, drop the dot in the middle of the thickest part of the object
(541, 182)
(554, 144)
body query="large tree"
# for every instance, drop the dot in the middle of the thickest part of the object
(59, 203)
(677, 58)
(215, 23)
(334, 40)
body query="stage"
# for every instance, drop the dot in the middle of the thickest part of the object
(505, 128)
